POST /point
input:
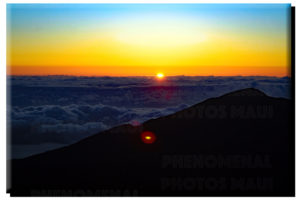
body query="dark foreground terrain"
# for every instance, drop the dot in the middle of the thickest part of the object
(238, 144)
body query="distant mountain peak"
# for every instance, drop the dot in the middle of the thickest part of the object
(251, 92)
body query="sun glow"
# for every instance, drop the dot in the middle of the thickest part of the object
(161, 31)
(142, 40)
(160, 75)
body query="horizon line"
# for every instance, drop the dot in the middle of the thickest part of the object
(71, 75)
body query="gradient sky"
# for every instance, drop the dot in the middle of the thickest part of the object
(143, 39)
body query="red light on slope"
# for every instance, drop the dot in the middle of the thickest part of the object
(148, 137)
(135, 123)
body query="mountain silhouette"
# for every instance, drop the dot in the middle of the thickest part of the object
(239, 144)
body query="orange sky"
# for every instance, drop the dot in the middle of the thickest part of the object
(146, 71)
(141, 40)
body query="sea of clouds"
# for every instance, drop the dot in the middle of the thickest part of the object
(52, 111)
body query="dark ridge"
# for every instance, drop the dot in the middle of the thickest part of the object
(245, 135)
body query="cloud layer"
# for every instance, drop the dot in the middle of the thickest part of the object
(63, 109)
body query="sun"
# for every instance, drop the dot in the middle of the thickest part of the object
(160, 75)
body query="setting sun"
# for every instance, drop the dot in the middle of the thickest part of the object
(160, 75)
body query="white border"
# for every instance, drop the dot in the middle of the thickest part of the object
(5, 196)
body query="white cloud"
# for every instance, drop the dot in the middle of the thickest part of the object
(63, 109)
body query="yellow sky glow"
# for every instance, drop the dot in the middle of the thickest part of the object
(145, 46)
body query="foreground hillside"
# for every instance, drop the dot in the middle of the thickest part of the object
(238, 144)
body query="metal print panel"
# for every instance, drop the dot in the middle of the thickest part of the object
(150, 100)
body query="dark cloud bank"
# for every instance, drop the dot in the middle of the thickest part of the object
(48, 112)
